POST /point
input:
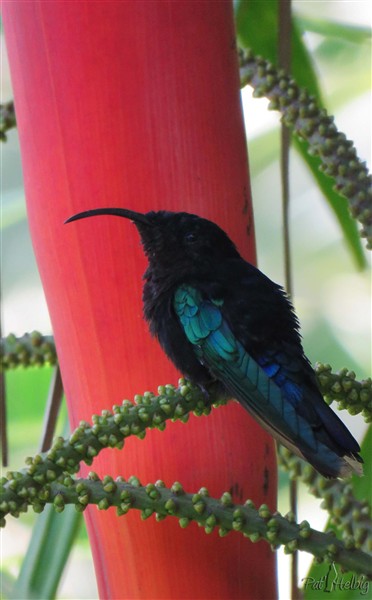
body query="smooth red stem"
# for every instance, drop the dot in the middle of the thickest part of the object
(136, 104)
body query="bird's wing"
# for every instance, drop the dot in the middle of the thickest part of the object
(253, 385)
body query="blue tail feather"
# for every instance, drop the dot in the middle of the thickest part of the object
(268, 386)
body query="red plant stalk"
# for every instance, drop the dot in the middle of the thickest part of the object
(137, 104)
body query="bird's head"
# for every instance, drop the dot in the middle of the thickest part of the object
(175, 239)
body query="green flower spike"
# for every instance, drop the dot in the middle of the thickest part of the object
(352, 517)
(32, 349)
(245, 519)
(309, 122)
(343, 387)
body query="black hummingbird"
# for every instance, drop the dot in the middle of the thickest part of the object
(220, 319)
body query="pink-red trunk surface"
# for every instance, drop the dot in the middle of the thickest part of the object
(136, 104)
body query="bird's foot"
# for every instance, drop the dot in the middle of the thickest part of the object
(213, 392)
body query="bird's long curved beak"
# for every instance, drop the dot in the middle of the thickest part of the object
(118, 212)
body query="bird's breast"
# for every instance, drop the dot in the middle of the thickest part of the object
(165, 326)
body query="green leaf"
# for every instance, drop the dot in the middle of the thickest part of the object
(51, 542)
(256, 27)
(362, 485)
(264, 150)
(338, 204)
(255, 24)
(354, 34)
(52, 538)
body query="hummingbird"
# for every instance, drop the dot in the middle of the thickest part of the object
(221, 321)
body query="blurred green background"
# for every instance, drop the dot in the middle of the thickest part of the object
(332, 295)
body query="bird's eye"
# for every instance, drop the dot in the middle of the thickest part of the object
(190, 237)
